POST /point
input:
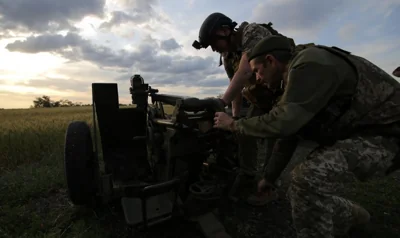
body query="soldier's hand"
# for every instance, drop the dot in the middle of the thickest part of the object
(223, 121)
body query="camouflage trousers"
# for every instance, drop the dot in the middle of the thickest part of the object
(317, 210)
(254, 152)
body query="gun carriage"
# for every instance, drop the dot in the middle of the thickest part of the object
(153, 162)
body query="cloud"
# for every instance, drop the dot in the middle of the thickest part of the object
(297, 17)
(24, 98)
(120, 17)
(136, 12)
(156, 59)
(385, 8)
(170, 45)
(347, 32)
(164, 69)
(46, 15)
(45, 43)
(58, 84)
(64, 46)
(146, 6)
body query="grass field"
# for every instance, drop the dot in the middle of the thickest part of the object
(33, 200)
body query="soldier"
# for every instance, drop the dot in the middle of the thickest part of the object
(218, 31)
(396, 72)
(253, 153)
(346, 104)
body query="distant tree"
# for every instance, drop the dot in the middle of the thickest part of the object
(45, 101)
(55, 104)
(66, 103)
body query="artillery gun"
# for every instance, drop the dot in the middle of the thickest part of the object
(154, 163)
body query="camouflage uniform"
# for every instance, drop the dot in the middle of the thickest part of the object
(352, 109)
(252, 151)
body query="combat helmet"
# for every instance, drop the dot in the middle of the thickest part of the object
(213, 22)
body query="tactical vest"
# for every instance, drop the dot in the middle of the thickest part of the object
(258, 95)
(373, 107)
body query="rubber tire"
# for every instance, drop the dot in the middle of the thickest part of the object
(81, 166)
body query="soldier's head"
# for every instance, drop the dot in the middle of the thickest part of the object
(396, 72)
(269, 58)
(216, 31)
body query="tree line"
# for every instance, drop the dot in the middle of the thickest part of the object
(46, 102)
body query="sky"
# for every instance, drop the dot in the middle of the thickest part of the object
(59, 48)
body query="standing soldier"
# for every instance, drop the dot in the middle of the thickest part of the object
(218, 31)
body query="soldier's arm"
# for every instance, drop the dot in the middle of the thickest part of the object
(282, 152)
(237, 101)
(237, 105)
(251, 35)
(310, 86)
(242, 75)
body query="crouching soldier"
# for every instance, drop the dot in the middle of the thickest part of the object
(346, 104)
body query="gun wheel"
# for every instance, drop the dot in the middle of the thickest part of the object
(80, 164)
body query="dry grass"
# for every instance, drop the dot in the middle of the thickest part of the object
(33, 201)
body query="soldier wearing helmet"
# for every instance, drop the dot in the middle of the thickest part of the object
(220, 33)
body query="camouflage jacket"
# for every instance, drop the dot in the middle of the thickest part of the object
(248, 36)
(331, 95)
(372, 108)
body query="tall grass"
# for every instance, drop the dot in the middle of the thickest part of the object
(29, 135)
